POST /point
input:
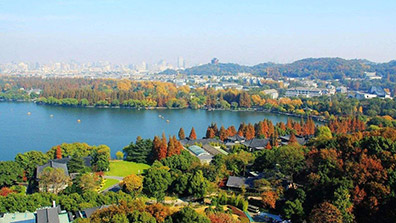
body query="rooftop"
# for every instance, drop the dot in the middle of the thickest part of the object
(198, 151)
(26, 217)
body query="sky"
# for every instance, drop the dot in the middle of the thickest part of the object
(238, 31)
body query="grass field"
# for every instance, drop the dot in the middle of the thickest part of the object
(108, 183)
(124, 168)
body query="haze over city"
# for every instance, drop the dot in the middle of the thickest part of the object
(245, 32)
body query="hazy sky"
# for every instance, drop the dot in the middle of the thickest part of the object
(240, 31)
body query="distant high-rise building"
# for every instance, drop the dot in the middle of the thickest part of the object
(181, 64)
(214, 61)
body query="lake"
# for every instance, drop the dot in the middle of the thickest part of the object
(47, 126)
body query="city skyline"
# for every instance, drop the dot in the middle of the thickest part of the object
(249, 33)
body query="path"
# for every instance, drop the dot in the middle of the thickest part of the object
(114, 187)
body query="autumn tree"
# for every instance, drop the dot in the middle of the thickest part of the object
(181, 134)
(172, 147)
(132, 184)
(158, 211)
(223, 133)
(269, 198)
(231, 131)
(58, 153)
(89, 182)
(249, 132)
(120, 155)
(326, 213)
(178, 146)
(222, 218)
(210, 133)
(193, 135)
(157, 147)
(268, 146)
(292, 139)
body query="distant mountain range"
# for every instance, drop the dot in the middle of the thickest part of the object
(322, 68)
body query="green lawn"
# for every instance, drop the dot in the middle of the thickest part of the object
(108, 183)
(125, 168)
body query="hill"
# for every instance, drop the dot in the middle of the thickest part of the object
(322, 68)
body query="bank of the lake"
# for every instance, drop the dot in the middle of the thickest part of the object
(27, 126)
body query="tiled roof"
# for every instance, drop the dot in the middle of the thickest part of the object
(256, 143)
(53, 164)
(48, 215)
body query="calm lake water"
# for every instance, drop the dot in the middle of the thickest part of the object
(47, 126)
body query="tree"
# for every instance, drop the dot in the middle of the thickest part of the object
(5, 191)
(269, 198)
(120, 155)
(344, 204)
(244, 100)
(231, 130)
(141, 217)
(292, 139)
(198, 185)
(132, 184)
(10, 173)
(140, 152)
(76, 164)
(100, 158)
(250, 132)
(110, 214)
(294, 210)
(323, 132)
(290, 159)
(189, 215)
(58, 153)
(158, 211)
(193, 135)
(180, 184)
(156, 181)
(163, 148)
(223, 134)
(172, 149)
(268, 146)
(210, 133)
(53, 180)
(157, 148)
(89, 182)
(69, 149)
(181, 134)
(30, 160)
(222, 218)
(325, 212)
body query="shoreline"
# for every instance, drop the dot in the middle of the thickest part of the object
(315, 118)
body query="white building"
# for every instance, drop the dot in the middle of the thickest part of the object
(302, 91)
(272, 93)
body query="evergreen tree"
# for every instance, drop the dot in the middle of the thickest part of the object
(140, 152)
(76, 164)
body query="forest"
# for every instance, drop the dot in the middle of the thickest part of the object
(150, 95)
